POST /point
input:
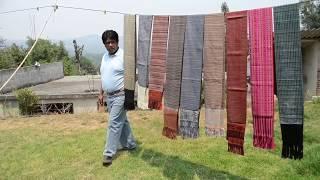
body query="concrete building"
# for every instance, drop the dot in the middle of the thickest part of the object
(73, 94)
(311, 62)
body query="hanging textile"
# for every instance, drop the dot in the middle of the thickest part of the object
(191, 77)
(289, 74)
(129, 60)
(158, 61)
(173, 75)
(144, 36)
(237, 50)
(213, 67)
(142, 100)
(262, 74)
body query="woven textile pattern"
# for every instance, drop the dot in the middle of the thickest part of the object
(213, 67)
(144, 35)
(192, 63)
(189, 123)
(262, 80)
(173, 75)
(158, 61)
(129, 60)
(289, 77)
(237, 49)
(191, 77)
(174, 61)
(142, 101)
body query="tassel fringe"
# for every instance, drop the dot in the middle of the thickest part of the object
(215, 132)
(129, 99)
(292, 139)
(263, 142)
(263, 132)
(235, 137)
(153, 104)
(155, 100)
(189, 129)
(234, 148)
(169, 133)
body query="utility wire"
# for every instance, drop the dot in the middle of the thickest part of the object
(29, 52)
(112, 12)
(27, 9)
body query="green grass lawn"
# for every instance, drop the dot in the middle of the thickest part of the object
(70, 147)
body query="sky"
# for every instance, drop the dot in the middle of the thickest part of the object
(69, 23)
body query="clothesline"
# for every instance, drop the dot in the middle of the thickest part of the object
(55, 6)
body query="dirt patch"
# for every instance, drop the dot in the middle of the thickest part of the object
(74, 122)
(66, 122)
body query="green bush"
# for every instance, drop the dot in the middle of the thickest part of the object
(27, 100)
(316, 99)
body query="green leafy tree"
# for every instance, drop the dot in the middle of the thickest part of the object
(44, 52)
(69, 67)
(87, 67)
(5, 61)
(11, 56)
(78, 54)
(310, 14)
(2, 45)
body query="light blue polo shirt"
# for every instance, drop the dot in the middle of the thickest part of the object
(112, 71)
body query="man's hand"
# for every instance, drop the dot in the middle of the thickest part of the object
(100, 97)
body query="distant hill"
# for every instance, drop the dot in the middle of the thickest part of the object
(92, 44)
(93, 47)
(96, 58)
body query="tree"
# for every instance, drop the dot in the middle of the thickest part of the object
(310, 14)
(78, 53)
(44, 52)
(224, 7)
(47, 52)
(87, 66)
(69, 68)
(11, 56)
(2, 43)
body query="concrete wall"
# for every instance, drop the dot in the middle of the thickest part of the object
(28, 76)
(311, 56)
(80, 105)
(10, 108)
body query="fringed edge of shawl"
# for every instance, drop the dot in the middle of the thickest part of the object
(215, 132)
(155, 100)
(263, 132)
(235, 148)
(235, 137)
(129, 99)
(263, 142)
(169, 133)
(292, 139)
(189, 129)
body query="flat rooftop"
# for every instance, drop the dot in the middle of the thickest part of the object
(67, 87)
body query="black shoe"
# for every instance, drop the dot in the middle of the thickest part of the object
(107, 160)
(130, 148)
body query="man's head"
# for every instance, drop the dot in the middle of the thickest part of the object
(110, 40)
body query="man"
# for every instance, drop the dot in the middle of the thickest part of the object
(112, 82)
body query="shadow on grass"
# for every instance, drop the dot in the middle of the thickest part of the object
(176, 168)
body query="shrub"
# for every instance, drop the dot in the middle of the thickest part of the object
(27, 100)
(316, 99)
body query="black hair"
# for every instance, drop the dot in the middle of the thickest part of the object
(110, 34)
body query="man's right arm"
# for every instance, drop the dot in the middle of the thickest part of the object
(101, 95)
